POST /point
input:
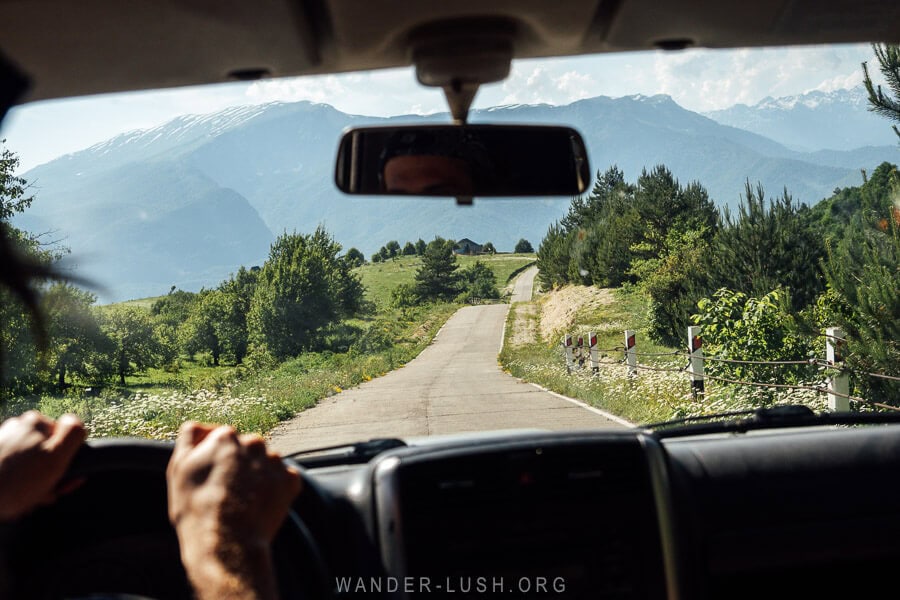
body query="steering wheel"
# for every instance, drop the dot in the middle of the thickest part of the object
(112, 535)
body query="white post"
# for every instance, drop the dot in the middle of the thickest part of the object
(595, 352)
(567, 344)
(696, 366)
(630, 353)
(838, 384)
(579, 352)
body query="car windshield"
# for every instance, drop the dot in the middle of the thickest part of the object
(738, 248)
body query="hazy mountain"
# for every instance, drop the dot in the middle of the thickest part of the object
(188, 202)
(838, 120)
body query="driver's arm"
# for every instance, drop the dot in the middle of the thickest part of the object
(228, 496)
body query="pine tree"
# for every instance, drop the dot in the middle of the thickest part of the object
(885, 104)
(437, 278)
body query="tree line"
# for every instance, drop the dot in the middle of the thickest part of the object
(295, 302)
(279, 310)
(763, 281)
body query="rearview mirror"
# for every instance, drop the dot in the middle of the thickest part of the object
(463, 161)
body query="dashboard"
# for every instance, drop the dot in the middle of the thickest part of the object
(801, 512)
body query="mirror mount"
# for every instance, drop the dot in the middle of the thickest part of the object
(459, 98)
(459, 56)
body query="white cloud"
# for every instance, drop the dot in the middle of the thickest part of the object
(541, 85)
(315, 89)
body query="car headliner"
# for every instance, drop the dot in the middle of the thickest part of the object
(68, 48)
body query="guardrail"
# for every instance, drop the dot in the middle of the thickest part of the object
(582, 350)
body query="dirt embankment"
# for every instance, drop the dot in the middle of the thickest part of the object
(560, 307)
(554, 312)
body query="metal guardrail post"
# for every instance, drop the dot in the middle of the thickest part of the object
(696, 368)
(839, 383)
(630, 352)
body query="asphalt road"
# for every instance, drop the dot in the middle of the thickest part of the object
(454, 385)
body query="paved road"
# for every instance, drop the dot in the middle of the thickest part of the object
(453, 386)
(524, 285)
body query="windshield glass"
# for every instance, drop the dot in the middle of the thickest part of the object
(738, 249)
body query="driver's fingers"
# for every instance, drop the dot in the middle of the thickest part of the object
(254, 446)
(190, 434)
(66, 438)
(38, 422)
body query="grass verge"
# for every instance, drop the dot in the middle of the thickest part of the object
(652, 395)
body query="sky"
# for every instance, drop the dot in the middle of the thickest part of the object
(698, 79)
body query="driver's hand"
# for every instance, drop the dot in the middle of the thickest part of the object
(35, 452)
(228, 496)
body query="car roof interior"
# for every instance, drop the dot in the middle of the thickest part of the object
(69, 48)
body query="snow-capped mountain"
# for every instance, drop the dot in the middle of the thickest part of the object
(816, 120)
(189, 201)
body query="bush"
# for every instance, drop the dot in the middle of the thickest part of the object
(741, 327)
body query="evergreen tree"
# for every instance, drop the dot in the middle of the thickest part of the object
(769, 245)
(355, 258)
(409, 249)
(437, 277)
(420, 246)
(885, 104)
(392, 248)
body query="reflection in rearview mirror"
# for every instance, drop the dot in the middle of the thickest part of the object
(463, 161)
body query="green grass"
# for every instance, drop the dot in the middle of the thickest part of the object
(380, 279)
(255, 398)
(652, 395)
(503, 265)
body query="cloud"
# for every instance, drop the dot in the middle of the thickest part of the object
(714, 79)
(315, 89)
(541, 85)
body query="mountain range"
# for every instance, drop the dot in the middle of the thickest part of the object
(836, 120)
(188, 202)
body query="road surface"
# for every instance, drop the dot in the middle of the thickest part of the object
(454, 385)
(524, 285)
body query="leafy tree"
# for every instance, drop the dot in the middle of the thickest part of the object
(437, 277)
(174, 308)
(75, 335)
(201, 331)
(376, 258)
(409, 249)
(355, 258)
(488, 248)
(674, 284)
(393, 248)
(238, 293)
(13, 190)
(384, 253)
(420, 246)
(881, 103)
(404, 296)
(135, 348)
(303, 287)
(22, 330)
(523, 246)
(737, 326)
(478, 281)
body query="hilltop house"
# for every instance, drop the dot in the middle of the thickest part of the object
(466, 246)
